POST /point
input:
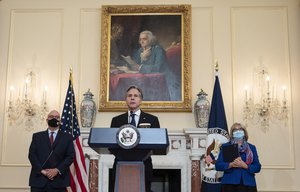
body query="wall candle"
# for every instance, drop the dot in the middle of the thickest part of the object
(284, 92)
(11, 89)
(275, 92)
(26, 84)
(268, 84)
(45, 94)
(246, 93)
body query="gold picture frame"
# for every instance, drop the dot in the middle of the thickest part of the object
(167, 89)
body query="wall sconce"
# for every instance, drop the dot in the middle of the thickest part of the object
(267, 107)
(24, 110)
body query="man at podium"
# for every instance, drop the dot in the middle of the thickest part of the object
(136, 117)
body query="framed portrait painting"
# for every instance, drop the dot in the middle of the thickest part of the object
(148, 46)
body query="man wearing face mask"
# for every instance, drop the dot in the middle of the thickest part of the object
(51, 152)
(239, 175)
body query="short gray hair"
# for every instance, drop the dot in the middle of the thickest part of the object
(150, 35)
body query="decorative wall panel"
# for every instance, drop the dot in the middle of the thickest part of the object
(35, 44)
(260, 38)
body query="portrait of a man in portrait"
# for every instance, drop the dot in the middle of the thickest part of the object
(146, 51)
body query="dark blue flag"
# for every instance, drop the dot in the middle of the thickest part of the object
(69, 124)
(217, 134)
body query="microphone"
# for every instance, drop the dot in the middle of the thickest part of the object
(47, 158)
(132, 119)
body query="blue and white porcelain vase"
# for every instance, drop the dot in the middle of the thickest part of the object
(201, 110)
(87, 110)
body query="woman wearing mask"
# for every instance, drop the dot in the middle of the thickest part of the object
(239, 175)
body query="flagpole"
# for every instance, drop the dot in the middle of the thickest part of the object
(217, 133)
(78, 173)
(217, 66)
(72, 102)
(70, 77)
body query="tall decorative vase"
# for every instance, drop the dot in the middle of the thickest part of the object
(87, 110)
(201, 110)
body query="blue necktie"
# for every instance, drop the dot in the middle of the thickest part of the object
(132, 118)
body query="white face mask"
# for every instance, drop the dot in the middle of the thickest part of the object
(238, 134)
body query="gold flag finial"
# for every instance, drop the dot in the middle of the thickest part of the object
(71, 75)
(217, 66)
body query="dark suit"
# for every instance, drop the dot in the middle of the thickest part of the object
(122, 119)
(43, 156)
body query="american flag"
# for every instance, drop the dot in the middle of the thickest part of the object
(69, 124)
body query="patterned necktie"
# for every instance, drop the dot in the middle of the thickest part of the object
(51, 138)
(132, 118)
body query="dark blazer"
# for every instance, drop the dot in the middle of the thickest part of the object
(236, 175)
(43, 156)
(122, 119)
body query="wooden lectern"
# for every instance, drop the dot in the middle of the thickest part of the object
(130, 167)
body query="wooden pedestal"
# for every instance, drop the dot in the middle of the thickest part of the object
(130, 176)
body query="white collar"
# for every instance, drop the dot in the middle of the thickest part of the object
(55, 131)
(137, 113)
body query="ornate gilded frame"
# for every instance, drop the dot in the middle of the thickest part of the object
(184, 11)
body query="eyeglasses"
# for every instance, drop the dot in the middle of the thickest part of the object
(53, 117)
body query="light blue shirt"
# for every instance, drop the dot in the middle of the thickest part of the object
(54, 134)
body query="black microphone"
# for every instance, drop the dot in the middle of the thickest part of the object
(132, 119)
(47, 158)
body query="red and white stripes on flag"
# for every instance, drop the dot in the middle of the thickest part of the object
(79, 178)
(69, 124)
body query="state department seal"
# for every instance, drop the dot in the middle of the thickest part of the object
(128, 136)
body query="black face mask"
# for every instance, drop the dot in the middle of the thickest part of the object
(53, 122)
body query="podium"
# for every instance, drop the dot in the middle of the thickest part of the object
(130, 173)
